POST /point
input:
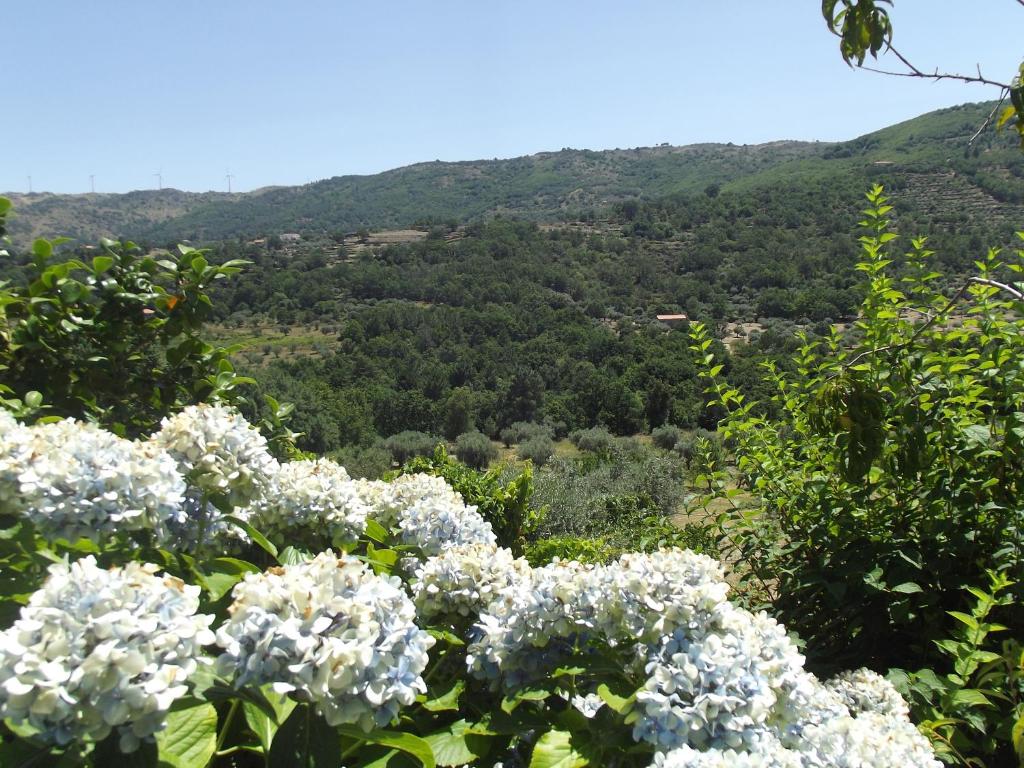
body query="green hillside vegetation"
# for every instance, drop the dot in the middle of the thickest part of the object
(551, 186)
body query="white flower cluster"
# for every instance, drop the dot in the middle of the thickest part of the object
(314, 496)
(862, 690)
(101, 649)
(331, 632)
(769, 753)
(387, 501)
(718, 682)
(75, 480)
(724, 687)
(428, 512)
(639, 597)
(219, 452)
(463, 580)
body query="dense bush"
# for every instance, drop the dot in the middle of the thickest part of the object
(373, 461)
(665, 437)
(610, 495)
(583, 550)
(475, 449)
(895, 472)
(408, 444)
(521, 431)
(117, 339)
(539, 449)
(595, 439)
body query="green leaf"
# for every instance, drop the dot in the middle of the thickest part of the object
(223, 573)
(1006, 115)
(970, 621)
(406, 742)
(42, 248)
(449, 700)
(294, 556)
(376, 532)
(101, 264)
(458, 745)
(255, 535)
(305, 740)
(554, 750)
(907, 588)
(264, 726)
(190, 738)
(971, 697)
(1018, 739)
(620, 704)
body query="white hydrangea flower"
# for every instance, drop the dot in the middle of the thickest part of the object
(463, 580)
(331, 632)
(716, 683)
(724, 687)
(647, 596)
(15, 439)
(75, 480)
(531, 626)
(434, 525)
(308, 496)
(767, 753)
(428, 512)
(862, 690)
(388, 501)
(218, 451)
(99, 649)
(869, 740)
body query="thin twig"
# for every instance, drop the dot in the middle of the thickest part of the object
(984, 125)
(1001, 286)
(936, 75)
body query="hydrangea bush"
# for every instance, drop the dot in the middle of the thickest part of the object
(97, 649)
(131, 631)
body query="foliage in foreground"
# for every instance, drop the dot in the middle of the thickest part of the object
(174, 631)
(893, 478)
(116, 339)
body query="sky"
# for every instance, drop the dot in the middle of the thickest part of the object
(288, 93)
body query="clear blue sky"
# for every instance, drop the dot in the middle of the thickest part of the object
(289, 92)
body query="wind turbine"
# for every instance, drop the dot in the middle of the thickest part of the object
(92, 183)
(159, 179)
(229, 176)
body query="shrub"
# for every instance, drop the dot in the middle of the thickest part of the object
(475, 449)
(539, 449)
(973, 703)
(701, 442)
(595, 439)
(607, 494)
(116, 339)
(405, 445)
(521, 431)
(895, 473)
(665, 437)
(372, 461)
(581, 549)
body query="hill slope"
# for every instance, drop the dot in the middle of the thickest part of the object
(547, 186)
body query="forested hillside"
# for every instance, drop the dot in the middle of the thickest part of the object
(926, 153)
(508, 321)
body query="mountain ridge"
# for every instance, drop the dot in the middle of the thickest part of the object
(544, 186)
